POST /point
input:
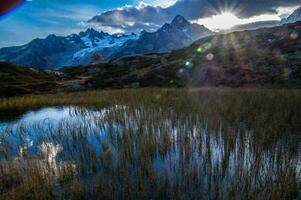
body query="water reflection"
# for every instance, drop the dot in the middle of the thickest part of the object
(120, 142)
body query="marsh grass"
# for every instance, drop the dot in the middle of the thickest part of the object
(158, 144)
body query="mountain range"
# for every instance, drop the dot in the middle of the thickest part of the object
(78, 49)
(267, 57)
(55, 52)
(252, 26)
(178, 34)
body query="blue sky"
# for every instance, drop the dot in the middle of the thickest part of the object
(39, 18)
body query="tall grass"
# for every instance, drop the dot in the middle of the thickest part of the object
(157, 144)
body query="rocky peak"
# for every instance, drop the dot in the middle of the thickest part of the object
(74, 38)
(51, 37)
(294, 17)
(166, 27)
(297, 11)
(92, 33)
(180, 22)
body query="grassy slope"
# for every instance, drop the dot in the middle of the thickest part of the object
(262, 57)
(16, 80)
(266, 57)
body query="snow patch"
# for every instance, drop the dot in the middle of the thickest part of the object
(99, 44)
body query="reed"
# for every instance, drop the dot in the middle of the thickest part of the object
(156, 144)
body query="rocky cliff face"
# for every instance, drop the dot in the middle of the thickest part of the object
(294, 17)
(56, 52)
(179, 33)
(78, 49)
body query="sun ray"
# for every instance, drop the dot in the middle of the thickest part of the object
(228, 19)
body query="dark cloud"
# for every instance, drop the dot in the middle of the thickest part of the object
(134, 19)
(194, 9)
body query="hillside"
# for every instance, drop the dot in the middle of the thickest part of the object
(269, 57)
(17, 80)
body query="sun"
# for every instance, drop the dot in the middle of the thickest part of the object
(221, 21)
(227, 20)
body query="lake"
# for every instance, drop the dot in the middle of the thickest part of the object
(132, 146)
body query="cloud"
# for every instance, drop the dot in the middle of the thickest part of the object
(132, 18)
(242, 8)
(161, 3)
(149, 17)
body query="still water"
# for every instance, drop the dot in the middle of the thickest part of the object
(93, 140)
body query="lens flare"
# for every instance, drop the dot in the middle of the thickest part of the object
(181, 71)
(207, 45)
(294, 35)
(188, 65)
(200, 49)
(209, 56)
(7, 6)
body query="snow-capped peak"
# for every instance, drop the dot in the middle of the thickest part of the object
(97, 41)
(180, 22)
(294, 17)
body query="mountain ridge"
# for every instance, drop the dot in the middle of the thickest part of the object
(179, 33)
(267, 57)
(294, 17)
(78, 49)
(59, 51)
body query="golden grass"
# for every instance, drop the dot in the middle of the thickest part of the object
(163, 144)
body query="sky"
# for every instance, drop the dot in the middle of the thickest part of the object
(39, 18)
